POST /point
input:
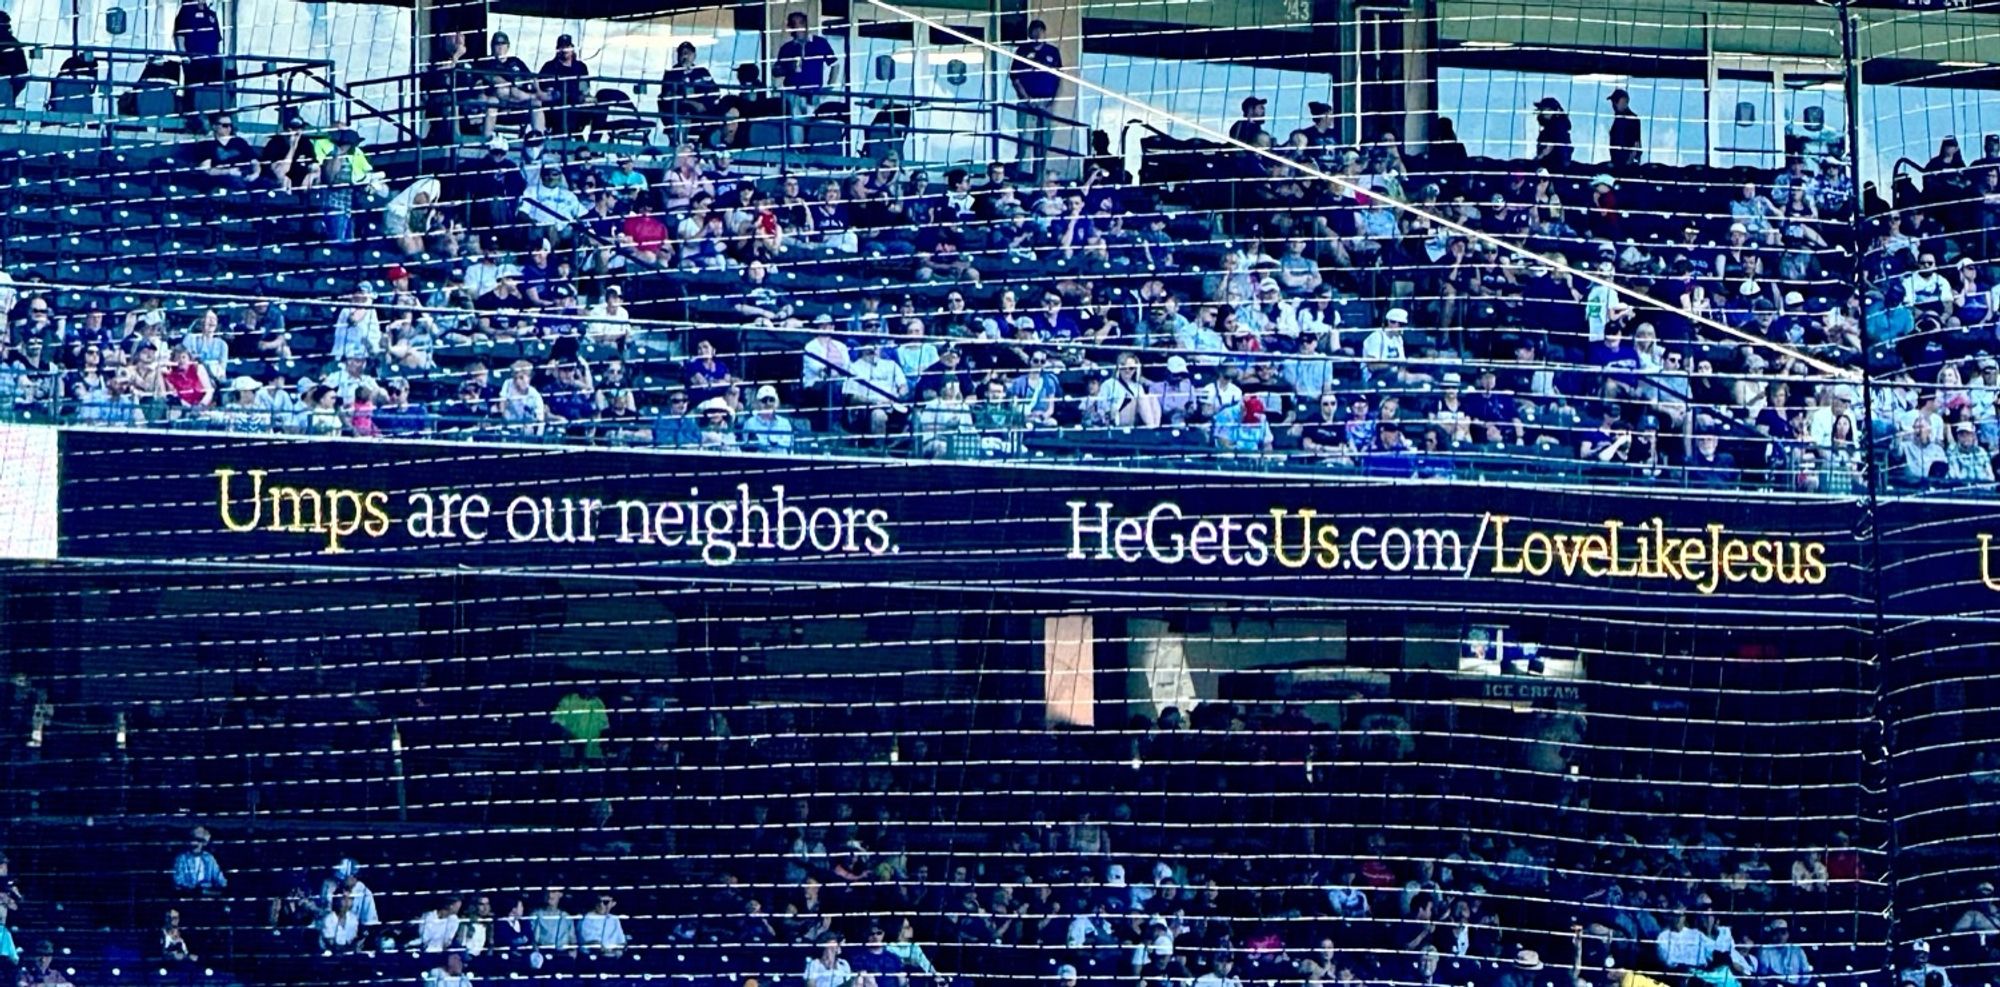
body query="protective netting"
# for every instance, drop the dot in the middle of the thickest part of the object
(1129, 790)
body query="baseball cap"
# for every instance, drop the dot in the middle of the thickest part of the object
(1250, 101)
(1618, 94)
(501, 38)
(1176, 365)
(565, 41)
(1318, 109)
(767, 393)
(245, 383)
(396, 272)
(1451, 379)
(1605, 180)
(1396, 315)
(498, 143)
(345, 137)
(509, 271)
(293, 121)
(1988, 363)
(712, 404)
(1065, 971)
(1548, 103)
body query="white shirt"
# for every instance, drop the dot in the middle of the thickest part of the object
(1686, 948)
(818, 974)
(1382, 346)
(830, 351)
(435, 933)
(884, 374)
(604, 324)
(602, 931)
(340, 930)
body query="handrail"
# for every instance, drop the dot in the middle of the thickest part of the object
(373, 111)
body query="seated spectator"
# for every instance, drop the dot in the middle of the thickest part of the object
(877, 391)
(399, 416)
(717, 430)
(510, 86)
(340, 930)
(438, 928)
(675, 427)
(187, 381)
(564, 84)
(600, 932)
(225, 159)
(173, 947)
(1967, 462)
(450, 972)
(1243, 428)
(688, 91)
(414, 222)
(765, 429)
(521, 405)
(40, 970)
(707, 375)
(1707, 464)
(553, 929)
(940, 415)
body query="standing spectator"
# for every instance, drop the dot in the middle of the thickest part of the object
(343, 169)
(1626, 147)
(198, 37)
(1553, 146)
(805, 69)
(13, 66)
(565, 82)
(1036, 86)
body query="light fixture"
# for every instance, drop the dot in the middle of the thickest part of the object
(1602, 77)
(1964, 65)
(1488, 44)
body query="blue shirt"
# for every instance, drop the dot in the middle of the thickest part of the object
(198, 31)
(196, 870)
(774, 435)
(803, 65)
(1037, 83)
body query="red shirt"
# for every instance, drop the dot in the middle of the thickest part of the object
(185, 383)
(647, 232)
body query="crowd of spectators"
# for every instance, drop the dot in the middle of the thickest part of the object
(844, 893)
(1427, 314)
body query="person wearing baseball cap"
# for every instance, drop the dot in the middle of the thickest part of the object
(1626, 150)
(1250, 129)
(564, 81)
(764, 429)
